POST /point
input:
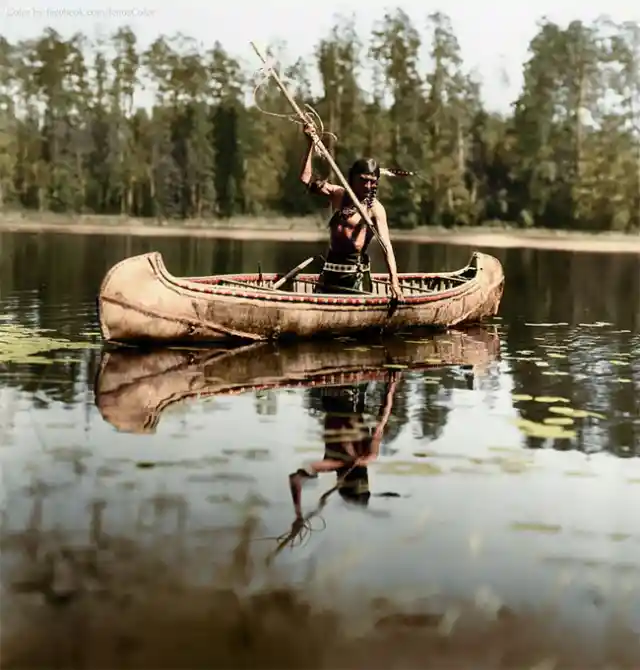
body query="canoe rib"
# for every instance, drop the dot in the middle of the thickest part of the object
(140, 300)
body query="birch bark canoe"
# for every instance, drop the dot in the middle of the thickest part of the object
(140, 300)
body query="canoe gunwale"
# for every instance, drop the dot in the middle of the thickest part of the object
(198, 286)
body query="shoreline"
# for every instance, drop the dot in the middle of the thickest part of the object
(304, 230)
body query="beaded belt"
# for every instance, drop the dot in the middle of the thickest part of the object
(346, 269)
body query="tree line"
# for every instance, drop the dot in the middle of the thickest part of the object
(73, 139)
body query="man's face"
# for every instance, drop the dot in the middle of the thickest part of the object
(363, 184)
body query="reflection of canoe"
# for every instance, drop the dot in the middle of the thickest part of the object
(133, 388)
(140, 300)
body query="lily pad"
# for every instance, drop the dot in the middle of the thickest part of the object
(408, 468)
(550, 399)
(521, 397)
(536, 527)
(20, 344)
(543, 430)
(558, 421)
(575, 413)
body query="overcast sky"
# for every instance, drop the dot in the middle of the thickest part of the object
(493, 35)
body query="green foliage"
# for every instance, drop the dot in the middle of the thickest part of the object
(72, 139)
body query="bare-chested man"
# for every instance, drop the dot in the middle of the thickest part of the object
(347, 266)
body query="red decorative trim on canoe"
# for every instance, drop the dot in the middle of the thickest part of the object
(308, 298)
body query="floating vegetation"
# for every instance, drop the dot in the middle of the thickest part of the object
(408, 468)
(222, 477)
(521, 397)
(558, 421)
(536, 528)
(19, 344)
(550, 399)
(555, 373)
(575, 413)
(506, 450)
(543, 430)
(553, 354)
(249, 454)
(623, 380)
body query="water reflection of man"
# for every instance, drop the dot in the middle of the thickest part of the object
(350, 445)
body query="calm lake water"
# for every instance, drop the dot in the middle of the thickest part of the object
(146, 495)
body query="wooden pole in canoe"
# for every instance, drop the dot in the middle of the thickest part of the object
(292, 273)
(320, 146)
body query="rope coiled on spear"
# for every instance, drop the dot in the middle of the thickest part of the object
(311, 117)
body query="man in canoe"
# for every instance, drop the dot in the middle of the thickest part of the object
(347, 268)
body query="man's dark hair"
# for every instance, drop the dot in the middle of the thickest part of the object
(364, 166)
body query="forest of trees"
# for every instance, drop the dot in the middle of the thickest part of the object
(73, 139)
